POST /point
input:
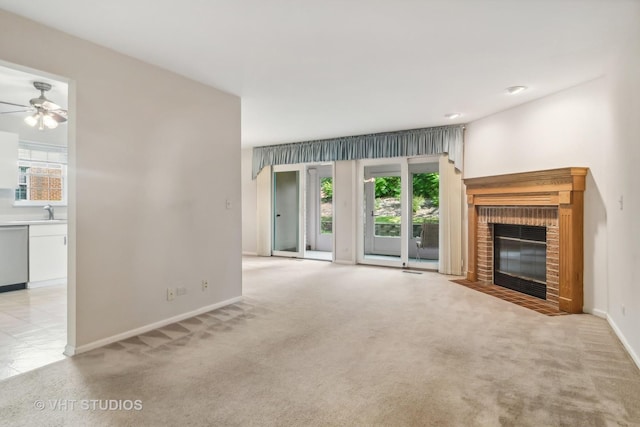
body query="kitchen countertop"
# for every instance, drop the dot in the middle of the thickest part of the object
(9, 223)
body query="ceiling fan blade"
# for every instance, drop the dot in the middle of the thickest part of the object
(17, 111)
(15, 105)
(59, 116)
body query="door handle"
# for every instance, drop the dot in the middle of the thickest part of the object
(65, 240)
(277, 215)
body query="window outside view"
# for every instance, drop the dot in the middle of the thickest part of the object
(39, 182)
(425, 203)
(41, 173)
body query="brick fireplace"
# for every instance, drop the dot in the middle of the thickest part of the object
(552, 199)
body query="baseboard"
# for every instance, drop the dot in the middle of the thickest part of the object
(598, 313)
(249, 253)
(45, 283)
(624, 341)
(70, 351)
(340, 261)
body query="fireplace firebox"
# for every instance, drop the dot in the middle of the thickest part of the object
(520, 258)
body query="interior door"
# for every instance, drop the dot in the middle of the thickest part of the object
(286, 213)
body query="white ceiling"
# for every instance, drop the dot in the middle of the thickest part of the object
(324, 68)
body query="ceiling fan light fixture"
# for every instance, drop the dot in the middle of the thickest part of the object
(514, 90)
(31, 120)
(47, 115)
(49, 121)
(42, 120)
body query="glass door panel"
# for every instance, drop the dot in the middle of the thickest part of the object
(318, 218)
(325, 227)
(286, 212)
(425, 218)
(383, 212)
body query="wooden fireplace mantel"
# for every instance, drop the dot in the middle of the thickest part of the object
(562, 188)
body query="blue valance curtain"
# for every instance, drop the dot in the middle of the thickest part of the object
(406, 143)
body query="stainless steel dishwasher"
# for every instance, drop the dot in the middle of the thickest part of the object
(14, 257)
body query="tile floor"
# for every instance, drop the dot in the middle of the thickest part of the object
(319, 255)
(33, 328)
(518, 298)
(421, 263)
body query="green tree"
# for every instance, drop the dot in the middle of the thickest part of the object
(427, 185)
(388, 186)
(326, 189)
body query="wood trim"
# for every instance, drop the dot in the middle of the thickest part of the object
(572, 178)
(472, 263)
(516, 200)
(563, 188)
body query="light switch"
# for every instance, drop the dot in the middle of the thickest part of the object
(228, 204)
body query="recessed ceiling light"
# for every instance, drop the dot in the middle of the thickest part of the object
(516, 89)
(453, 115)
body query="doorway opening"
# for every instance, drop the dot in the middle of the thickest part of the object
(286, 213)
(36, 321)
(302, 211)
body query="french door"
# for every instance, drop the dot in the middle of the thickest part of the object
(287, 212)
(319, 210)
(398, 213)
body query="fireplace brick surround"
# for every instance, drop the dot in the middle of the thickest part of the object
(553, 199)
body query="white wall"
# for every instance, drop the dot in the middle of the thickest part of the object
(153, 156)
(623, 180)
(249, 205)
(594, 125)
(344, 205)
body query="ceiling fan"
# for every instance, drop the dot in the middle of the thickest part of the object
(46, 114)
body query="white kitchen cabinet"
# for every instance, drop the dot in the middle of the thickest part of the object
(8, 160)
(47, 252)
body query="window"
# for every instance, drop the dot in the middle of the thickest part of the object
(42, 173)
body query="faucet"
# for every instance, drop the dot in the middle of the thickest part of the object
(49, 209)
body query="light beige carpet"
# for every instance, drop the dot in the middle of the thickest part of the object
(321, 344)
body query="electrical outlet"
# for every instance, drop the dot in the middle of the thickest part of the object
(205, 285)
(181, 291)
(171, 294)
(228, 204)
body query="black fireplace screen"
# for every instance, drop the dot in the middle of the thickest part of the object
(520, 258)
